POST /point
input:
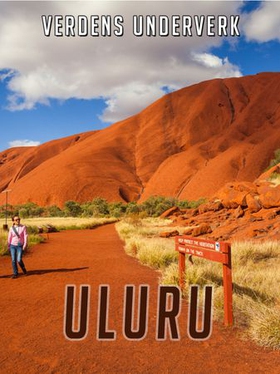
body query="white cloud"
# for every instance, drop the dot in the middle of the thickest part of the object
(134, 96)
(222, 67)
(23, 143)
(208, 60)
(128, 72)
(263, 24)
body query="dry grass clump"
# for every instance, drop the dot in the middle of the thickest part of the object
(256, 270)
(265, 327)
(171, 274)
(274, 179)
(66, 223)
(3, 244)
(144, 228)
(156, 253)
(62, 223)
(142, 241)
(256, 276)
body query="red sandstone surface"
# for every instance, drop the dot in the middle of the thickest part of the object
(32, 317)
(188, 144)
(239, 211)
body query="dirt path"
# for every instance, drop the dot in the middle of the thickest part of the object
(32, 314)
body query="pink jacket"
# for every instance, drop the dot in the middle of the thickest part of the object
(13, 238)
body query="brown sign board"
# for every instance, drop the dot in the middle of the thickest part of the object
(209, 250)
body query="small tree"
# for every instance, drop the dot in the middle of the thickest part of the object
(29, 210)
(10, 210)
(54, 211)
(23, 213)
(72, 208)
(117, 209)
(99, 207)
(132, 208)
(156, 205)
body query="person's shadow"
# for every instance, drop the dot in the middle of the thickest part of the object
(46, 271)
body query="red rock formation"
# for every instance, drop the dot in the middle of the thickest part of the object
(188, 144)
(239, 211)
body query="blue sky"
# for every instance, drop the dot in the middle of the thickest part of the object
(51, 87)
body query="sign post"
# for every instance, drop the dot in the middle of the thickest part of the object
(5, 226)
(210, 250)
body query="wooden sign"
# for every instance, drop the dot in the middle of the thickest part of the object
(213, 251)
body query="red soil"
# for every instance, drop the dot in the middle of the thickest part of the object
(32, 313)
(188, 145)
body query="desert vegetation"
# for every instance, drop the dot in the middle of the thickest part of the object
(256, 275)
(98, 207)
(75, 216)
(274, 177)
(276, 160)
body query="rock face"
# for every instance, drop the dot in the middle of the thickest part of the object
(239, 211)
(188, 145)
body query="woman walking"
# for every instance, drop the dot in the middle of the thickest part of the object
(17, 242)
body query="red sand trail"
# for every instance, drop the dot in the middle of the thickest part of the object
(32, 314)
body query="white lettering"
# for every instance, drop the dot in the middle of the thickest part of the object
(199, 24)
(47, 24)
(234, 26)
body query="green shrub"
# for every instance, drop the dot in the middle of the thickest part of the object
(32, 230)
(185, 204)
(154, 206)
(98, 207)
(34, 239)
(117, 209)
(29, 210)
(275, 160)
(72, 208)
(9, 211)
(54, 211)
(132, 208)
